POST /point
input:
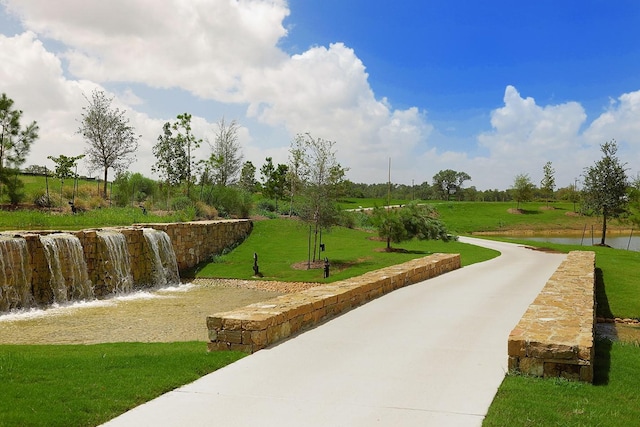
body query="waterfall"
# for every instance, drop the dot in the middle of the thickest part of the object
(15, 273)
(117, 264)
(164, 266)
(69, 275)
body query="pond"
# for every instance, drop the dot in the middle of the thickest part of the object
(629, 242)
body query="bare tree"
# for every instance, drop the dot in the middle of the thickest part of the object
(226, 153)
(321, 178)
(112, 141)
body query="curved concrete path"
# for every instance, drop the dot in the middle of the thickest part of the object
(430, 354)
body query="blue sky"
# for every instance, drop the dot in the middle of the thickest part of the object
(494, 88)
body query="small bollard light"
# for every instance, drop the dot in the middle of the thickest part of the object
(256, 269)
(326, 267)
(321, 247)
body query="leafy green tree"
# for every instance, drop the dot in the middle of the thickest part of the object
(634, 201)
(15, 143)
(247, 180)
(175, 161)
(522, 190)
(112, 142)
(274, 180)
(447, 182)
(65, 168)
(548, 183)
(605, 186)
(226, 154)
(411, 221)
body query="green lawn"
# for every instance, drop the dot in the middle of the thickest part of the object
(613, 399)
(86, 385)
(281, 243)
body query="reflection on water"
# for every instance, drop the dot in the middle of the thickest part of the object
(630, 242)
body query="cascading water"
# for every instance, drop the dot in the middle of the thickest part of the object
(69, 276)
(164, 266)
(117, 264)
(15, 274)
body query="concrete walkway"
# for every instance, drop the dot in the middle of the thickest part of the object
(430, 354)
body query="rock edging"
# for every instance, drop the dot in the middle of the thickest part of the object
(259, 325)
(555, 336)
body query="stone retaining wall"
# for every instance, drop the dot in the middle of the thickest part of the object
(26, 276)
(555, 337)
(194, 242)
(258, 325)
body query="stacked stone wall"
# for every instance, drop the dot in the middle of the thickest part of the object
(555, 337)
(194, 242)
(256, 326)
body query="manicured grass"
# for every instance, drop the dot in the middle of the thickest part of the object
(467, 217)
(617, 272)
(281, 243)
(86, 385)
(613, 400)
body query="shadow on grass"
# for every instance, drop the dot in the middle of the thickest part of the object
(530, 212)
(602, 362)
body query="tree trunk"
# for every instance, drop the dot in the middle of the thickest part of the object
(104, 188)
(604, 227)
(315, 241)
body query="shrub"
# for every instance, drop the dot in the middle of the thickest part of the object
(205, 211)
(266, 206)
(42, 200)
(181, 203)
(228, 201)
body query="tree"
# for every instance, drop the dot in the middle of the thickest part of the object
(634, 201)
(447, 182)
(605, 186)
(248, 177)
(65, 168)
(321, 177)
(173, 151)
(274, 180)
(15, 143)
(522, 189)
(411, 221)
(548, 183)
(112, 141)
(226, 153)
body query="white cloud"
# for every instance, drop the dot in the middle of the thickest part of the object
(201, 46)
(228, 52)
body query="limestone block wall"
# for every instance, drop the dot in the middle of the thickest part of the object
(256, 326)
(26, 277)
(555, 337)
(194, 242)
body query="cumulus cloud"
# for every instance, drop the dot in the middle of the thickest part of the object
(201, 46)
(228, 52)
